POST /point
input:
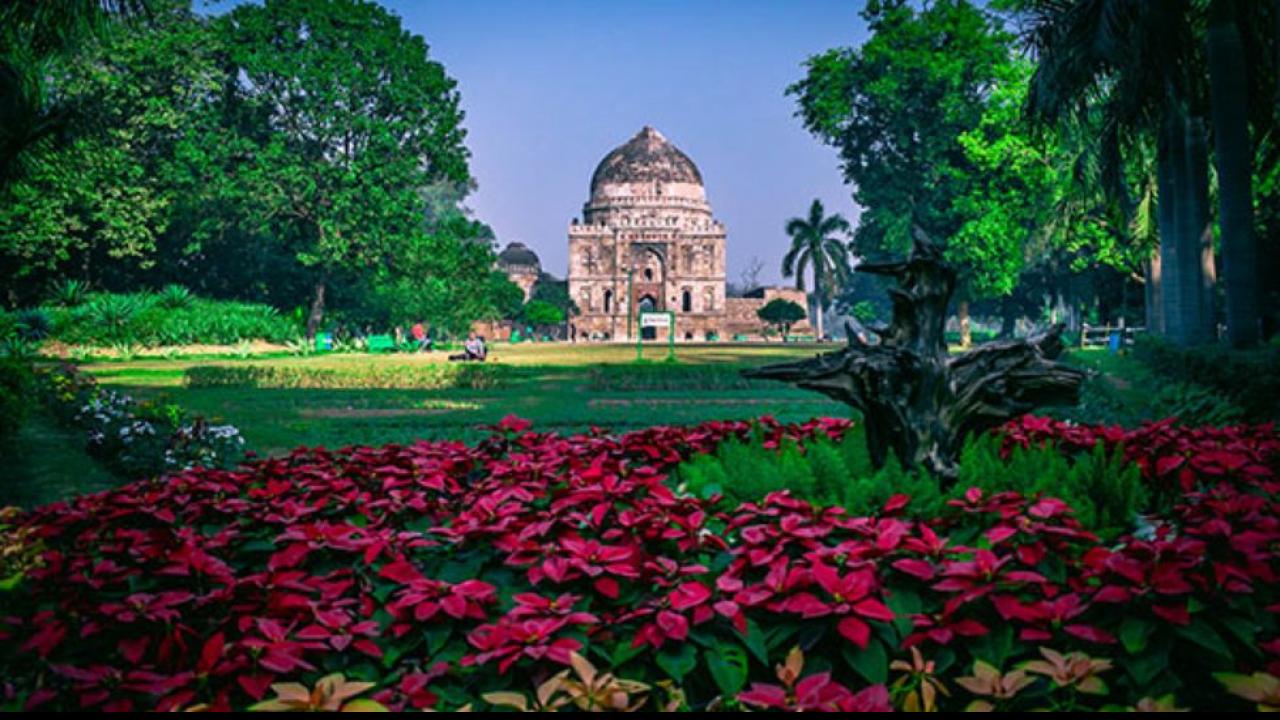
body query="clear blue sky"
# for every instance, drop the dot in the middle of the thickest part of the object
(550, 86)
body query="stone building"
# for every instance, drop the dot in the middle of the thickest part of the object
(521, 265)
(647, 241)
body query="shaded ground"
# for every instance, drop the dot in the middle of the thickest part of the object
(49, 463)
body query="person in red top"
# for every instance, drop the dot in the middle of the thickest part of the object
(419, 333)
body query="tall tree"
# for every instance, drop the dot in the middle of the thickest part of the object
(96, 204)
(339, 119)
(1156, 69)
(1229, 85)
(34, 34)
(895, 108)
(816, 245)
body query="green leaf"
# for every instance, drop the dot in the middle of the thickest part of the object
(904, 604)
(622, 652)
(728, 667)
(1146, 667)
(755, 642)
(678, 663)
(872, 662)
(1134, 632)
(1245, 630)
(1202, 633)
(995, 647)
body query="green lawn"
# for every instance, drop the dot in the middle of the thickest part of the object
(49, 463)
(551, 386)
(555, 385)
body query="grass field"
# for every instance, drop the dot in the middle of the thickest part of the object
(565, 388)
(550, 384)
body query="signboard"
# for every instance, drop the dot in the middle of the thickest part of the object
(655, 320)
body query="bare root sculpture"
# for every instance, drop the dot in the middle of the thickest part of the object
(915, 398)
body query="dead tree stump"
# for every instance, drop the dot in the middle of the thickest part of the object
(915, 398)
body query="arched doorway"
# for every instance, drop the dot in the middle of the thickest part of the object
(647, 303)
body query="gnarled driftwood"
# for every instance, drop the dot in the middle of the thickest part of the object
(915, 398)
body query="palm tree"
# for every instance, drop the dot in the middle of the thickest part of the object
(1229, 86)
(1137, 63)
(814, 244)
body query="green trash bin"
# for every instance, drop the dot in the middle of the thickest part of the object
(324, 342)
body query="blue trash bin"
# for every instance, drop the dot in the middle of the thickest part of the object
(1113, 341)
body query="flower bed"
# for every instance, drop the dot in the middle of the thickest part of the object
(439, 575)
(138, 439)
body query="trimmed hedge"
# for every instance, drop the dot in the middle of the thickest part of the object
(472, 376)
(668, 376)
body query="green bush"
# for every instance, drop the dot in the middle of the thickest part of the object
(172, 317)
(69, 293)
(175, 297)
(110, 316)
(474, 376)
(1106, 491)
(1248, 378)
(33, 324)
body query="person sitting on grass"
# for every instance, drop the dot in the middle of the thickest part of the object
(420, 335)
(472, 349)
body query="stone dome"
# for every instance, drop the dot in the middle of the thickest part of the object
(518, 254)
(647, 157)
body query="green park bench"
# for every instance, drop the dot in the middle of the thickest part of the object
(381, 343)
(740, 337)
(800, 338)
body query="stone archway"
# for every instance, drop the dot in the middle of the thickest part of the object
(647, 303)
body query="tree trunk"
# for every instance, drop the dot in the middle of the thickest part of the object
(1008, 318)
(1179, 242)
(1228, 85)
(1201, 227)
(1152, 294)
(916, 399)
(817, 303)
(317, 309)
(966, 331)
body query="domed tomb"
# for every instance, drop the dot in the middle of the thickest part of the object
(647, 240)
(521, 266)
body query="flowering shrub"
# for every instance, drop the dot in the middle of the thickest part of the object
(139, 439)
(445, 574)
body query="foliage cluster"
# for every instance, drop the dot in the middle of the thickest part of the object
(1249, 379)
(172, 316)
(275, 152)
(781, 313)
(1105, 490)
(136, 439)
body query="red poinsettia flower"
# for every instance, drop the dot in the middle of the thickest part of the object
(849, 597)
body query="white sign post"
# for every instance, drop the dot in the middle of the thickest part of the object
(657, 320)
